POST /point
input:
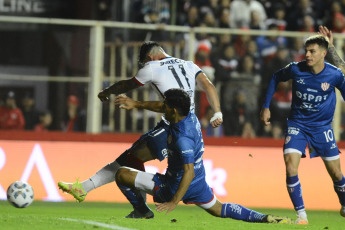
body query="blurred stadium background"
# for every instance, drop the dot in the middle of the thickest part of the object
(56, 56)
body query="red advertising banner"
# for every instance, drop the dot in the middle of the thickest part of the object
(251, 176)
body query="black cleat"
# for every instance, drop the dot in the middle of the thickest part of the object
(135, 214)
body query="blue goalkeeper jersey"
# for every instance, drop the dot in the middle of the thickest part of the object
(185, 145)
(313, 95)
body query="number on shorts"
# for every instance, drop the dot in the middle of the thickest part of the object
(328, 135)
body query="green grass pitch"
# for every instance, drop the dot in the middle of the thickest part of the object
(91, 215)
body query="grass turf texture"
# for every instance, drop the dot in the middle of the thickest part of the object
(47, 215)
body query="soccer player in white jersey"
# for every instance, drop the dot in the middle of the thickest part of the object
(309, 123)
(162, 72)
(184, 179)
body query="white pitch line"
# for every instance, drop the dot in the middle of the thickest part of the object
(98, 224)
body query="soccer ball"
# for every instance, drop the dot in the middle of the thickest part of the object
(20, 194)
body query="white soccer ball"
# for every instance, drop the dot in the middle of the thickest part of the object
(20, 194)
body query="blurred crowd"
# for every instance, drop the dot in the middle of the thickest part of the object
(239, 66)
(25, 116)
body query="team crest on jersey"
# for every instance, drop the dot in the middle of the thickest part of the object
(324, 86)
(287, 139)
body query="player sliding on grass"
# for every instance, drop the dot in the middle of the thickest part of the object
(309, 123)
(185, 176)
(163, 72)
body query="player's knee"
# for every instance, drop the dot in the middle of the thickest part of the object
(120, 176)
(336, 175)
(291, 170)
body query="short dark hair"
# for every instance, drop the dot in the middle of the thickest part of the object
(145, 49)
(317, 39)
(179, 100)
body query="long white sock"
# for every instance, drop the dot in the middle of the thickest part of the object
(102, 177)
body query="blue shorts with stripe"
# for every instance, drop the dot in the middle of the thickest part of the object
(321, 141)
(166, 186)
(156, 140)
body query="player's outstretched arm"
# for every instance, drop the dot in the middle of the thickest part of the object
(187, 178)
(117, 88)
(206, 85)
(128, 103)
(335, 59)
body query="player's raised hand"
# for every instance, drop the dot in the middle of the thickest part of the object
(103, 96)
(323, 30)
(217, 119)
(125, 102)
(265, 116)
(169, 206)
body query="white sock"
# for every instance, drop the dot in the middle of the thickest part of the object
(102, 177)
(302, 213)
(88, 185)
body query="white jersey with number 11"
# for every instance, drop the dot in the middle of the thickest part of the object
(170, 73)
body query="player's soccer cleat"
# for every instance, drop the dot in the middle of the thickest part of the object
(75, 189)
(301, 220)
(135, 214)
(342, 211)
(272, 219)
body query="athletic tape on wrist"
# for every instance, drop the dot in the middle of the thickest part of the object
(216, 116)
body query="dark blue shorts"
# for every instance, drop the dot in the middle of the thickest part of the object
(321, 141)
(156, 140)
(199, 193)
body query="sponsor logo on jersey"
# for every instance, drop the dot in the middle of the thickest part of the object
(293, 130)
(187, 151)
(324, 86)
(312, 90)
(301, 81)
(311, 97)
(287, 139)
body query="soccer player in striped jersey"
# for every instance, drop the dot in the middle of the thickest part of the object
(309, 123)
(163, 72)
(185, 176)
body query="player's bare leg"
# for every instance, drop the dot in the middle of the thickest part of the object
(334, 170)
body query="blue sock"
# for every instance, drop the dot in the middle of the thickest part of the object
(339, 187)
(238, 212)
(295, 191)
(135, 198)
